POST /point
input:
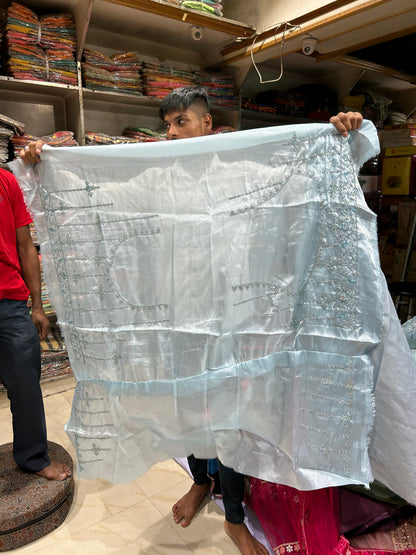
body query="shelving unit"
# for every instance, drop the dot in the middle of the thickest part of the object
(161, 32)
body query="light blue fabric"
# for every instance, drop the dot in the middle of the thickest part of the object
(218, 296)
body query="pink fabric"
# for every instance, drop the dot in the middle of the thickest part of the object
(307, 523)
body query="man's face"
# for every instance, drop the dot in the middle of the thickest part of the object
(184, 124)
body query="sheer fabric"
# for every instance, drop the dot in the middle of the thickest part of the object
(222, 296)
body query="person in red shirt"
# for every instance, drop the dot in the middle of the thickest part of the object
(20, 362)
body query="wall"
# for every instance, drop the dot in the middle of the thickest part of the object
(263, 14)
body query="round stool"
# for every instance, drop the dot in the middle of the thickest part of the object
(31, 506)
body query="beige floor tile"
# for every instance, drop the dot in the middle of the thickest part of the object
(127, 519)
(140, 529)
(160, 477)
(207, 528)
(6, 433)
(165, 499)
(96, 500)
(57, 386)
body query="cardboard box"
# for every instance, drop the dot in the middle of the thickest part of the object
(400, 151)
(398, 175)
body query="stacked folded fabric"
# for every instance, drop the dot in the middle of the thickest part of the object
(223, 129)
(26, 61)
(5, 136)
(248, 104)
(143, 134)
(159, 79)
(40, 49)
(220, 88)
(57, 32)
(55, 363)
(213, 7)
(97, 71)
(126, 72)
(59, 138)
(22, 25)
(118, 73)
(8, 128)
(20, 141)
(62, 67)
(93, 138)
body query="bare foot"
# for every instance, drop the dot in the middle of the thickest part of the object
(246, 543)
(55, 471)
(186, 508)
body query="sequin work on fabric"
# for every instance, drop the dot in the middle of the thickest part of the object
(220, 295)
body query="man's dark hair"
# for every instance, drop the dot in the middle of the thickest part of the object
(182, 99)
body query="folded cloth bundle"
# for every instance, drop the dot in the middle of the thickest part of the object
(159, 79)
(143, 134)
(8, 127)
(92, 138)
(119, 73)
(220, 88)
(57, 31)
(207, 6)
(40, 49)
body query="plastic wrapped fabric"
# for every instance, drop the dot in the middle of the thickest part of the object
(222, 296)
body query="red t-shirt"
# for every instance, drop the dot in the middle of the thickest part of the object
(13, 214)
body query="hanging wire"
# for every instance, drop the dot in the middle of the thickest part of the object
(288, 27)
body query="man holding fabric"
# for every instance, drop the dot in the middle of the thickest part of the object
(185, 113)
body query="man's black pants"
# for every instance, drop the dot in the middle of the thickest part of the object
(232, 487)
(20, 367)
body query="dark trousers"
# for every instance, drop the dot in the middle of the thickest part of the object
(232, 487)
(20, 367)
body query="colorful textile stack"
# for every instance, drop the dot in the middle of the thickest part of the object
(118, 73)
(8, 128)
(20, 141)
(92, 138)
(130, 135)
(5, 136)
(223, 129)
(26, 61)
(40, 49)
(62, 67)
(57, 36)
(126, 72)
(159, 80)
(57, 32)
(59, 138)
(55, 363)
(247, 104)
(143, 134)
(220, 88)
(213, 7)
(96, 71)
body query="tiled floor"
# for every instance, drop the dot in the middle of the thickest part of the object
(127, 519)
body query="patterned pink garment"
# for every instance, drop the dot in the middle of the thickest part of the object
(308, 522)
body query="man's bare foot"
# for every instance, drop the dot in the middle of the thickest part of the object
(246, 543)
(55, 471)
(186, 508)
